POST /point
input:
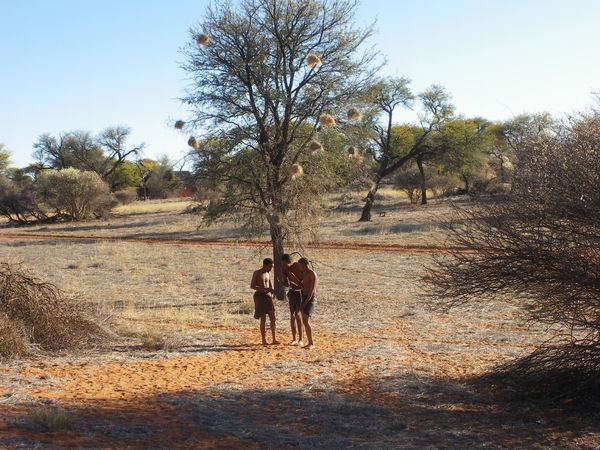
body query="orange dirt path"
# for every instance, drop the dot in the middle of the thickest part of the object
(236, 243)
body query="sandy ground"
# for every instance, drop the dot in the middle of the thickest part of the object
(399, 386)
(387, 372)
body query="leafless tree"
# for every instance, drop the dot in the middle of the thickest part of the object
(539, 247)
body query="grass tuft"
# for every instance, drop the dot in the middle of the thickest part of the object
(53, 418)
(246, 306)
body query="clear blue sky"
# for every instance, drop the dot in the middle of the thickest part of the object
(88, 64)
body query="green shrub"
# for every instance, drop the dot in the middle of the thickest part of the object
(75, 194)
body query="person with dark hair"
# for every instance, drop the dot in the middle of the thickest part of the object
(310, 282)
(263, 299)
(292, 279)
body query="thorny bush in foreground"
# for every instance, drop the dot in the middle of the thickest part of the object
(35, 315)
(539, 247)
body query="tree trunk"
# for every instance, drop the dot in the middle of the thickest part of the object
(277, 241)
(423, 185)
(366, 213)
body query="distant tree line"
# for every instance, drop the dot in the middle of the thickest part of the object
(78, 176)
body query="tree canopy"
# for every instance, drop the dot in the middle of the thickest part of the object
(102, 154)
(267, 78)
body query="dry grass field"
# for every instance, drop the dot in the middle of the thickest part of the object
(187, 370)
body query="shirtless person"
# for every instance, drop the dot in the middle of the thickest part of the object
(292, 279)
(309, 298)
(263, 300)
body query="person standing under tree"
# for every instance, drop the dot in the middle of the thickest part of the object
(292, 279)
(263, 300)
(309, 298)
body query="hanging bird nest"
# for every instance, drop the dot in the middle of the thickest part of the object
(354, 114)
(179, 124)
(203, 39)
(353, 152)
(326, 120)
(192, 142)
(315, 147)
(296, 170)
(313, 60)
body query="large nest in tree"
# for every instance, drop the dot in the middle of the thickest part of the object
(313, 60)
(354, 114)
(326, 120)
(179, 124)
(296, 170)
(203, 39)
(315, 147)
(34, 315)
(192, 142)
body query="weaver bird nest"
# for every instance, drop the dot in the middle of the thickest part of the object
(354, 114)
(326, 121)
(315, 147)
(313, 60)
(296, 170)
(192, 142)
(203, 39)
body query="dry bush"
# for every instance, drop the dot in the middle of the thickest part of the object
(552, 372)
(125, 197)
(53, 418)
(35, 314)
(246, 306)
(20, 201)
(11, 338)
(538, 247)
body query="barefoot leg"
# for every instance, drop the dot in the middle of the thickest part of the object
(263, 328)
(308, 329)
(273, 326)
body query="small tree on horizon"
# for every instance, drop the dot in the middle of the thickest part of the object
(386, 96)
(267, 76)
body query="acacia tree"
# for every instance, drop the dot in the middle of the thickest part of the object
(263, 73)
(387, 95)
(460, 149)
(539, 248)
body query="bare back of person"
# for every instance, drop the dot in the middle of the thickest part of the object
(263, 301)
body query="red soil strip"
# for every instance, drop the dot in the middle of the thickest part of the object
(239, 243)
